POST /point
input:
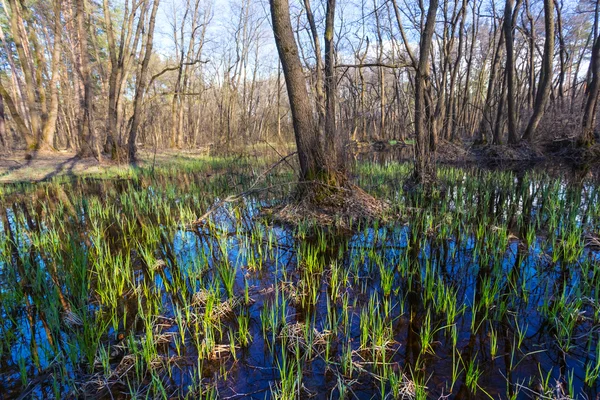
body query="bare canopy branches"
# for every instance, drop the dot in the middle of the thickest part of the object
(106, 78)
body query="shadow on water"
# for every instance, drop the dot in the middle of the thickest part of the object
(490, 292)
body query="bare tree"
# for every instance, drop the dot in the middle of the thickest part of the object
(545, 85)
(335, 142)
(89, 145)
(310, 155)
(36, 118)
(510, 69)
(141, 83)
(424, 168)
(591, 104)
(121, 56)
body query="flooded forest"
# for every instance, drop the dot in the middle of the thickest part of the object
(300, 199)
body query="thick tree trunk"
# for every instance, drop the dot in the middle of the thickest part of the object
(424, 170)
(591, 104)
(545, 85)
(310, 155)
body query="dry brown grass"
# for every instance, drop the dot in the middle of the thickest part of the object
(294, 337)
(329, 206)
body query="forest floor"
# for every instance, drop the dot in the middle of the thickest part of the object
(16, 167)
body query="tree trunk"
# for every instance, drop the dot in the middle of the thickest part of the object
(121, 55)
(424, 170)
(30, 139)
(591, 104)
(320, 96)
(335, 143)
(141, 86)
(545, 85)
(510, 72)
(563, 54)
(3, 136)
(486, 124)
(381, 73)
(310, 155)
(49, 128)
(498, 123)
(88, 144)
(25, 59)
(531, 70)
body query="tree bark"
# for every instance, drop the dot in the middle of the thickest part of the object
(30, 140)
(49, 128)
(121, 55)
(320, 95)
(141, 85)
(424, 170)
(3, 137)
(25, 59)
(591, 104)
(510, 72)
(563, 53)
(88, 141)
(531, 51)
(545, 85)
(310, 155)
(335, 142)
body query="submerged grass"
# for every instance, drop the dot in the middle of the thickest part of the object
(487, 288)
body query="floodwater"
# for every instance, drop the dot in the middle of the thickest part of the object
(527, 318)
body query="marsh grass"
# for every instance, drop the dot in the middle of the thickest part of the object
(107, 288)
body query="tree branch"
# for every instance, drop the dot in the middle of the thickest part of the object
(371, 65)
(169, 69)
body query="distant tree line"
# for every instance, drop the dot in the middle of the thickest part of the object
(102, 77)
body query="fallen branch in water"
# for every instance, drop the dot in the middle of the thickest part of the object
(237, 197)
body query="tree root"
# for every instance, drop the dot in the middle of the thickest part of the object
(326, 205)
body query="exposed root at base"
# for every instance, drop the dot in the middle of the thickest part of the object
(332, 206)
